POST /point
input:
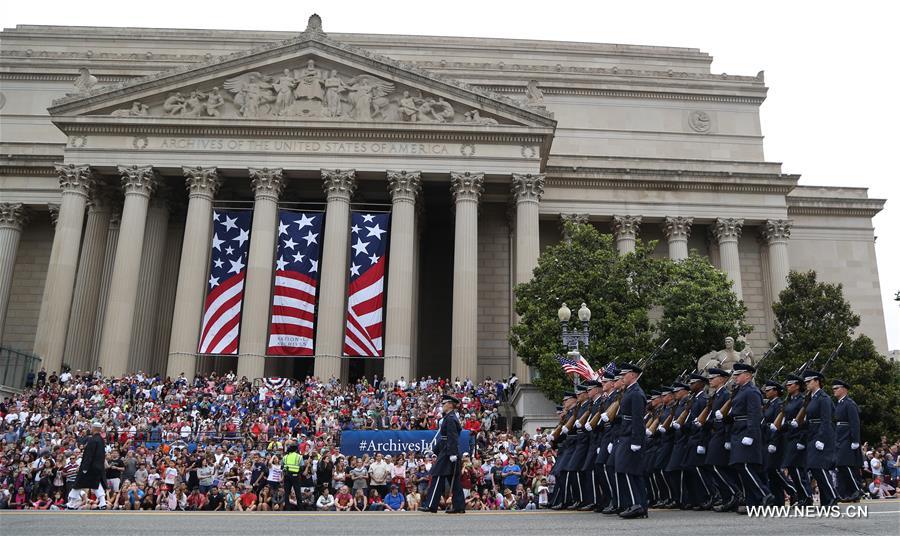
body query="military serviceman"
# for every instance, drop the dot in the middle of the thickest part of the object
(579, 449)
(717, 455)
(563, 452)
(848, 455)
(746, 437)
(447, 465)
(820, 436)
(586, 476)
(654, 409)
(697, 490)
(664, 450)
(772, 437)
(675, 466)
(612, 385)
(631, 439)
(794, 459)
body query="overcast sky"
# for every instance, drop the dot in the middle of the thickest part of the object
(831, 114)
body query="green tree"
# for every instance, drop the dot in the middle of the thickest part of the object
(619, 290)
(813, 316)
(700, 309)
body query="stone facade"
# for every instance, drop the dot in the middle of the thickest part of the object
(642, 141)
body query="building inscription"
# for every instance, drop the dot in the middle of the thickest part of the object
(303, 146)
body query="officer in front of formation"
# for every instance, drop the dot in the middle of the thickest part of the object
(746, 437)
(774, 441)
(820, 436)
(447, 466)
(794, 442)
(631, 439)
(848, 457)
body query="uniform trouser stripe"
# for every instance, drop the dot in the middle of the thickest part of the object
(827, 480)
(800, 483)
(666, 482)
(852, 477)
(681, 486)
(718, 474)
(618, 496)
(594, 484)
(608, 483)
(630, 491)
(580, 492)
(753, 478)
(785, 482)
(566, 489)
(702, 480)
(437, 485)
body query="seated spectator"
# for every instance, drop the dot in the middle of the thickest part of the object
(413, 500)
(343, 500)
(394, 501)
(325, 502)
(359, 501)
(375, 502)
(248, 500)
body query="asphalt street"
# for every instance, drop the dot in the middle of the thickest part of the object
(883, 519)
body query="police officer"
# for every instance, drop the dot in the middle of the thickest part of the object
(604, 463)
(291, 468)
(746, 437)
(586, 475)
(631, 439)
(664, 450)
(848, 456)
(699, 494)
(675, 465)
(772, 437)
(794, 461)
(447, 465)
(717, 455)
(564, 450)
(820, 436)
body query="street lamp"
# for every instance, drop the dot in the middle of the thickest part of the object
(576, 336)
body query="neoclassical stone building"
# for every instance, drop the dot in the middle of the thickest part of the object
(119, 143)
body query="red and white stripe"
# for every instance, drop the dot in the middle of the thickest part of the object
(222, 317)
(365, 313)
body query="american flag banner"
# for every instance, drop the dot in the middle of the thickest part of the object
(225, 288)
(365, 303)
(578, 366)
(292, 327)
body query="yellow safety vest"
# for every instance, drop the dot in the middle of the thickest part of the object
(291, 463)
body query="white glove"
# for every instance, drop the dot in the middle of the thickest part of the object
(452, 458)
(801, 446)
(577, 424)
(635, 448)
(794, 423)
(773, 427)
(676, 426)
(598, 450)
(565, 429)
(662, 429)
(772, 449)
(820, 445)
(697, 423)
(609, 448)
(604, 417)
(727, 445)
(588, 427)
(701, 449)
(747, 441)
(648, 432)
(719, 415)
(854, 446)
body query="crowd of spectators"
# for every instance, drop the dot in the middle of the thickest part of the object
(216, 443)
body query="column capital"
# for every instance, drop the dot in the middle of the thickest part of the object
(527, 187)
(728, 229)
(138, 180)
(626, 226)
(775, 231)
(404, 185)
(677, 227)
(201, 181)
(75, 179)
(103, 198)
(13, 216)
(267, 183)
(466, 186)
(339, 183)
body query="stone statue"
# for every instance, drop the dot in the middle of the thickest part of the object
(284, 92)
(192, 105)
(446, 113)
(85, 81)
(173, 104)
(533, 94)
(137, 110)
(726, 357)
(369, 97)
(214, 101)
(409, 111)
(334, 86)
(309, 84)
(252, 93)
(475, 117)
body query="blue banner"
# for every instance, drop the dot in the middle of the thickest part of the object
(371, 442)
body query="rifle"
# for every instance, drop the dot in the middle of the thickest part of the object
(801, 415)
(779, 419)
(613, 409)
(726, 407)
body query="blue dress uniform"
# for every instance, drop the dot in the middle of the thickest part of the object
(675, 465)
(652, 447)
(579, 451)
(794, 456)
(848, 457)
(444, 468)
(746, 440)
(606, 458)
(820, 440)
(717, 456)
(697, 487)
(774, 442)
(563, 452)
(601, 491)
(629, 456)
(586, 476)
(663, 453)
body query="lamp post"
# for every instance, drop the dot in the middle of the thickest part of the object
(577, 336)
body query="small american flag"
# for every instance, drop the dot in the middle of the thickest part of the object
(579, 366)
(293, 326)
(365, 304)
(225, 288)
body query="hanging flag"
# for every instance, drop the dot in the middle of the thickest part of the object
(365, 304)
(275, 384)
(292, 327)
(579, 366)
(225, 288)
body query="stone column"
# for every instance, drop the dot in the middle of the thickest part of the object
(727, 232)
(138, 183)
(79, 341)
(418, 224)
(49, 344)
(404, 188)
(166, 305)
(267, 187)
(467, 188)
(202, 185)
(143, 330)
(776, 233)
(339, 185)
(12, 219)
(109, 260)
(626, 229)
(677, 230)
(527, 189)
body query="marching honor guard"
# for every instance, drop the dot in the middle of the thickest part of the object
(580, 446)
(564, 442)
(746, 437)
(447, 466)
(586, 475)
(794, 461)
(632, 437)
(605, 459)
(699, 495)
(820, 437)
(848, 456)
(664, 450)
(675, 465)
(772, 437)
(717, 455)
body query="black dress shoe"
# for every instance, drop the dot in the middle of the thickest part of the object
(576, 506)
(855, 496)
(707, 505)
(769, 500)
(610, 510)
(670, 504)
(586, 508)
(557, 507)
(423, 509)
(805, 502)
(633, 512)
(456, 511)
(726, 506)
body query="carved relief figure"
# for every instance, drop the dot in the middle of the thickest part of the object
(252, 94)
(85, 80)
(475, 117)
(137, 110)
(284, 92)
(192, 105)
(334, 86)
(409, 111)
(533, 94)
(214, 101)
(445, 114)
(310, 83)
(369, 97)
(174, 104)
